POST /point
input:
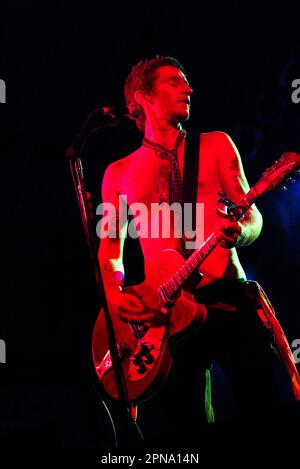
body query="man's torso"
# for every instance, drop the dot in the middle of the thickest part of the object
(143, 177)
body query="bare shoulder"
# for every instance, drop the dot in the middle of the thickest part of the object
(118, 169)
(216, 137)
(220, 145)
(116, 172)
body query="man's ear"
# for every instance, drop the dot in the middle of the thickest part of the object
(141, 98)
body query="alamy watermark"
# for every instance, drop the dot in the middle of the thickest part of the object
(296, 352)
(2, 351)
(2, 342)
(162, 220)
(296, 93)
(2, 91)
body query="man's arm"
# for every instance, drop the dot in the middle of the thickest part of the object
(235, 185)
(110, 253)
(127, 306)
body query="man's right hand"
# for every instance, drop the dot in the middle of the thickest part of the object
(130, 308)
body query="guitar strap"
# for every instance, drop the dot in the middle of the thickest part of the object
(190, 185)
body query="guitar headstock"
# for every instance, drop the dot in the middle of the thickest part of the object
(279, 172)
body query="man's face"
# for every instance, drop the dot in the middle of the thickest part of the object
(170, 98)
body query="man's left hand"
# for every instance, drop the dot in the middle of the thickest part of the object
(228, 231)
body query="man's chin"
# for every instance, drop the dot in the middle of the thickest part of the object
(182, 117)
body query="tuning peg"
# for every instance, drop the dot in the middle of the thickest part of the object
(283, 188)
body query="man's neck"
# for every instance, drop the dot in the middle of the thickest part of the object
(164, 134)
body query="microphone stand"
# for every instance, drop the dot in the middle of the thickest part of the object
(73, 155)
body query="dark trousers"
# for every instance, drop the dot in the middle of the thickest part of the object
(234, 336)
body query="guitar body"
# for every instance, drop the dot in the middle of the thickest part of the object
(146, 352)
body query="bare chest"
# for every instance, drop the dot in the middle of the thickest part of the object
(147, 181)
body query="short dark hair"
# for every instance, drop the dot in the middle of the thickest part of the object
(142, 78)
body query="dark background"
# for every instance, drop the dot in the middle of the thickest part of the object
(60, 60)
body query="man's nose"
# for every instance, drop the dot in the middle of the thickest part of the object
(188, 90)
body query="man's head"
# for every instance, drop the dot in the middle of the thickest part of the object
(145, 77)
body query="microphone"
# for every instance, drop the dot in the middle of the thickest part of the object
(111, 116)
(114, 113)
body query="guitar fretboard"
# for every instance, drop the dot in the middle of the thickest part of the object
(169, 289)
(173, 285)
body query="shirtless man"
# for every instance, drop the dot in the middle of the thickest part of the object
(158, 93)
(143, 177)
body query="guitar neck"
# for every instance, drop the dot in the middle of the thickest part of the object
(169, 289)
(287, 164)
